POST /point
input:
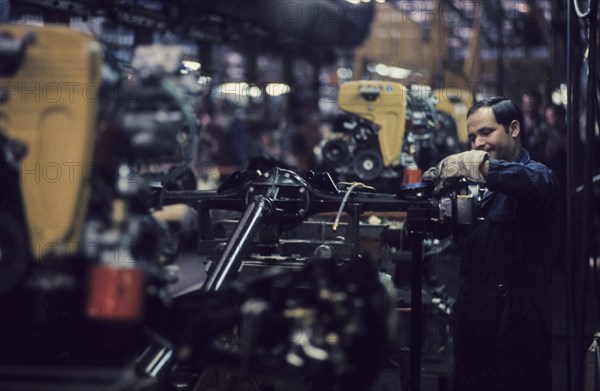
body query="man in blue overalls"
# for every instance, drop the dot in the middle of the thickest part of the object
(503, 313)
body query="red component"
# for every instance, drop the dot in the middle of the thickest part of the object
(411, 175)
(115, 293)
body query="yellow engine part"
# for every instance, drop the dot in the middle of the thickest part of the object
(456, 102)
(383, 103)
(51, 108)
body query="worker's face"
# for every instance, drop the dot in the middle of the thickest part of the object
(551, 117)
(528, 103)
(486, 134)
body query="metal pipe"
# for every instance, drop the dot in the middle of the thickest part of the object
(569, 201)
(416, 313)
(500, 50)
(238, 243)
(588, 207)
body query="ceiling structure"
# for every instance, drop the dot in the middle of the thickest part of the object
(496, 42)
(496, 33)
(313, 28)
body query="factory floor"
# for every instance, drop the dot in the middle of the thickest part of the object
(437, 370)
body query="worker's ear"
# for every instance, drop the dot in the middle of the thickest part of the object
(514, 129)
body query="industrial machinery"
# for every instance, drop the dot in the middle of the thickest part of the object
(48, 189)
(375, 127)
(78, 246)
(388, 133)
(93, 309)
(278, 201)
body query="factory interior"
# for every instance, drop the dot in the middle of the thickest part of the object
(238, 195)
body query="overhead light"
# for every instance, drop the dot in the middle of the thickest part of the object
(382, 69)
(399, 73)
(233, 88)
(522, 7)
(560, 96)
(391, 71)
(277, 89)
(191, 65)
(240, 89)
(254, 92)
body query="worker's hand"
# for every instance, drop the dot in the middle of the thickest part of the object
(470, 165)
(431, 175)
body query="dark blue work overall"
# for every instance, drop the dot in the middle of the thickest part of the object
(503, 313)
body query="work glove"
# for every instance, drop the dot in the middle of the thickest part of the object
(461, 165)
(431, 175)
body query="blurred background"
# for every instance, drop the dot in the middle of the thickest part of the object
(258, 84)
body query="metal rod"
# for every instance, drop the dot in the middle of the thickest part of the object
(588, 207)
(239, 242)
(354, 228)
(416, 313)
(500, 48)
(569, 200)
(597, 369)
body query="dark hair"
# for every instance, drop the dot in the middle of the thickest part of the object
(558, 109)
(505, 110)
(535, 94)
